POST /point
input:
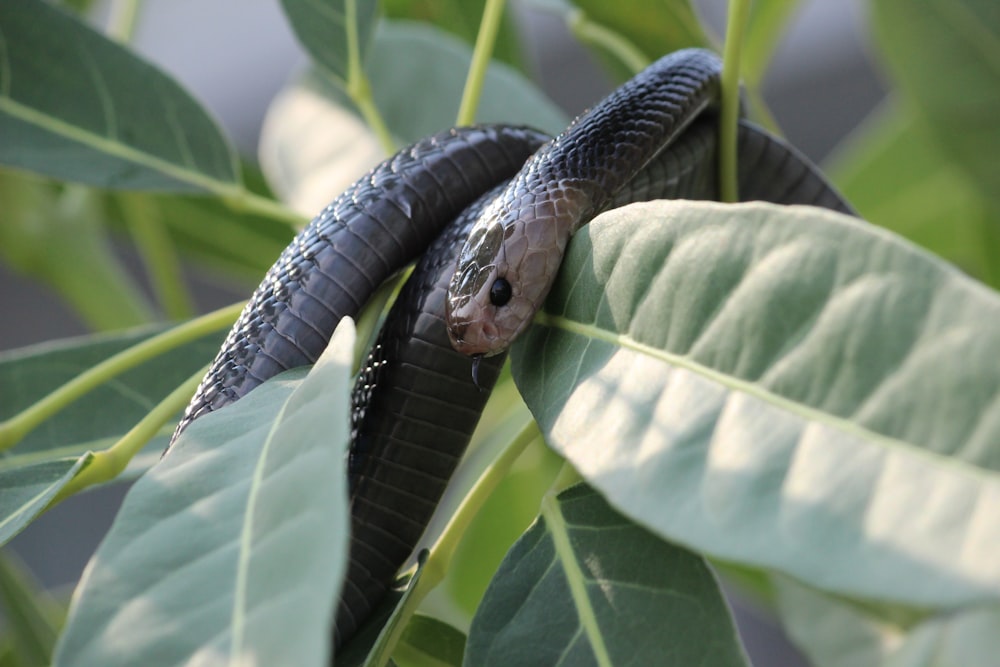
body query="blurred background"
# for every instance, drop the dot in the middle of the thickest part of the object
(238, 55)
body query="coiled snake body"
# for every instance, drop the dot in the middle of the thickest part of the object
(415, 403)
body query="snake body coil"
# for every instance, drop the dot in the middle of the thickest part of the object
(415, 404)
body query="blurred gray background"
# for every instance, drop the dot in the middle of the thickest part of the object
(238, 54)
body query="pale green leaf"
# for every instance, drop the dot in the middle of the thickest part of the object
(232, 549)
(58, 237)
(966, 638)
(945, 55)
(766, 24)
(782, 387)
(894, 175)
(77, 106)
(585, 586)
(833, 633)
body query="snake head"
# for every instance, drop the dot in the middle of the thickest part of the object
(507, 266)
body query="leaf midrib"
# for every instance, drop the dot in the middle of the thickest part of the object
(754, 390)
(119, 150)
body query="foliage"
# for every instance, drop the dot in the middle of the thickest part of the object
(797, 401)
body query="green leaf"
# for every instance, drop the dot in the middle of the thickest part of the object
(504, 517)
(57, 236)
(223, 240)
(831, 632)
(585, 586)
(28, 374)
(32, 616)
(836, 634)
(895, 176)
(768, 19)
(311, 149)
(428, 642)
(326, 28)
(423, 97)
(656, 27)
(460, 18)
(27, 488)
(968, 637)
(232, 549)
(781, 387)
(945, 55)
(76, 106)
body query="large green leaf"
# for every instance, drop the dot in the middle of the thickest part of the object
(327, 28)
(585, 586)
(783, 387)
(945, 55)
(896, 177)
(231, 550)
(28, 374)
(76, 106)
(311, 149)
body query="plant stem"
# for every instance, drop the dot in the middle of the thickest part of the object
(487, 37)
(16, 427)
(122, 19)
(444, 548)
(598, 35)
(241, 200)
(109, 463)
(739, 13)
(358, 87)
(158, 254)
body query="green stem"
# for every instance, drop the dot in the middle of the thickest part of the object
(358, 87)
(487, 37)
(122, 20)
(598, 35)
(109, 463)
(15, 428)
(739, 14)
(443, 550)
(158, 255)
(241, 200)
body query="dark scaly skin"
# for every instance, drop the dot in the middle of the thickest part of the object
(415, 403)
(330, 270)
(414, 410)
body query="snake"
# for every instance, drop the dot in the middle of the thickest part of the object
(473, 207)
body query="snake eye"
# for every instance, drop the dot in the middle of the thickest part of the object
(500, 292)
